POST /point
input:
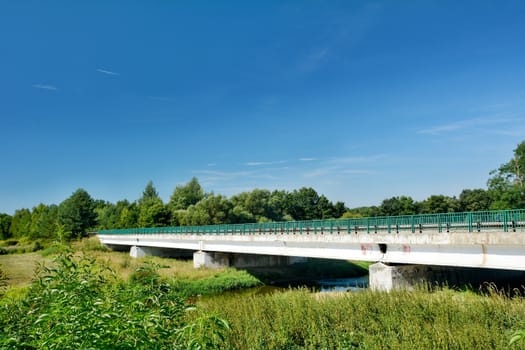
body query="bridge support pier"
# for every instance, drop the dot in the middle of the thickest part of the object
(387, 277)
(219, 259)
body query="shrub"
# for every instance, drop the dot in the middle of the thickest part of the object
(80, 303)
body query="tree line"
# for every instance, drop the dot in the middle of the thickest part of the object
(189, 204)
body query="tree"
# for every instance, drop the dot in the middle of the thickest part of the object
(277, 206)
(507, 185)
(43, 221)
(77, 213)
(255, 203)
(440, 204)
(212, 210)
(186, 195)
(399, 206)
(5, 225)
(149, 193)
(129, 216)
(153, 213)
(302, 204)
(21, 223)
(339, 209)
(109, 214)
(474, 200)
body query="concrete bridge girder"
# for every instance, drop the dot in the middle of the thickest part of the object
(493, 250)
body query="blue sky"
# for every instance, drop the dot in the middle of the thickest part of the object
(361, 100)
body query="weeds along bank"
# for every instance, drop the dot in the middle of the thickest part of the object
(370, 320)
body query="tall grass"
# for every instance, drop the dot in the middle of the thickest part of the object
(371, 320)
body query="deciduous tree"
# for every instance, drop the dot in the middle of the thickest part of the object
(77, 213)
(186, 195)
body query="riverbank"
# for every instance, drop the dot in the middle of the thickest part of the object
(299, 319)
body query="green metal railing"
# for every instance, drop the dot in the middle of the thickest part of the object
(498, 220)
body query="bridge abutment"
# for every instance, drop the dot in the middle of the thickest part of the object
(219, 259)
(142, 251)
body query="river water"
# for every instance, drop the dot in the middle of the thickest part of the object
(353, 284)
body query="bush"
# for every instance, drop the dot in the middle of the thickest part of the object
(80, 304)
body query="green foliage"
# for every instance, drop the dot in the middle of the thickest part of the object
(507, 185)
(206, 332)
(399, 206)
(109, 215)
(77, 213)
(5, 225)
(80, 304)
(21, 223)
(54, 249)
(369, 320)
(153, 213)
(440, 204)
(129, 216)
(43, 222)
(184, 196)
(221, 282)
(214, 209)
(150, 193)
(474, 200)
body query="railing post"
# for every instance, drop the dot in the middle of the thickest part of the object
(412, 227)
(469, 220)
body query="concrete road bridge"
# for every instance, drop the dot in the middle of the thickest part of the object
(405, 249)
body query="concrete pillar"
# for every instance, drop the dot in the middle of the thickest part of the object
(386, 277)
(139, 252)
(218, 259)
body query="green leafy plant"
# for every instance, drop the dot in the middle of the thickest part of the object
(80, 303)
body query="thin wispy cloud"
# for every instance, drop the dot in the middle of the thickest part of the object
(465, 124)
(360, 159)
(108, 72)
(225, 175)
(306, 159)
(265, 163)
(44, 87)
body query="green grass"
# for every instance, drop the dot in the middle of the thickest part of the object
(185, 279)
(293, 319)
(370, 320)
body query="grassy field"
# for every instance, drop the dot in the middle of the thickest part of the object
(290, 319)
(20, 268)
